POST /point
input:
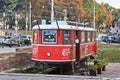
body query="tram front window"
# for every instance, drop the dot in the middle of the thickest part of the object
(66, 37)
(49, 36)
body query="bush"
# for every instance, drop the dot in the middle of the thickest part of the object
(93, 67)
(100, 64)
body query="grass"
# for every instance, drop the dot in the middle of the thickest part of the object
(109, 46)
(28, 32)
(111, 52)
(113, 55)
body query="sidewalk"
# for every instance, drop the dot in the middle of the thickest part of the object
(112, 71)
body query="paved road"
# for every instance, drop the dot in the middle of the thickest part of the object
(10, 49)
(45, 77)
(7, 49)
(112, 73)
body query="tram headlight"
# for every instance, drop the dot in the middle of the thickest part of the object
(48, 54)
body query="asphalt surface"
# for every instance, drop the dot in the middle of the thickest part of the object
(7, 49)
(112, 73)
(45, 77)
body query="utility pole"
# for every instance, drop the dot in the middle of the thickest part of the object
(16, 23)
(52, 11)
(4, 24)
(94, 15)
(30, 15)
(65, 17)
(26, 23)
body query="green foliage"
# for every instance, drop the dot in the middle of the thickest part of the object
(116, 12)
(22, 23)
(99, 64)
(102, 63)
(93, 67)
(10, 5)
(84, 13)
(89, 6)
(1, 5)
(21, 6)
(36, 70)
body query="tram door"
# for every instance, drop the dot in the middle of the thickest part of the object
(77, 46)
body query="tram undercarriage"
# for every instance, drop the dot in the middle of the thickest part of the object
(66, 68)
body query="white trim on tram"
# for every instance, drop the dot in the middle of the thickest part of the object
(52, 60)
(59, 44)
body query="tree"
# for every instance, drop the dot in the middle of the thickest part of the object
(116, 14)
(77, 10)
(101, 17)
(89, 8)
(9, 5)
(109, 20)
(8, 9)
(2, 6)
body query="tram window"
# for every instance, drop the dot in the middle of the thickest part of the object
(66, 37)
(89, 36)
(49, 36)
(82, 37)
(35, 37)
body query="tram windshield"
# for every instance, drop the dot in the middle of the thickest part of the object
(49, 36)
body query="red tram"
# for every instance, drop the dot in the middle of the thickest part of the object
(63, 42)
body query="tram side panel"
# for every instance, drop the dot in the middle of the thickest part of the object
(37, 36)
(53, 53)
(60, 37)
(88, 47)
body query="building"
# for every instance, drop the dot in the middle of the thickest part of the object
(2, 32)
(117, 27)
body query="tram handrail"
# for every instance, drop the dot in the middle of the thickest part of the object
(78, 24)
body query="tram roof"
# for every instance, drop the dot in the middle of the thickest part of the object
(63, 25)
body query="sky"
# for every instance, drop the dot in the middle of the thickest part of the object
(114, 3)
